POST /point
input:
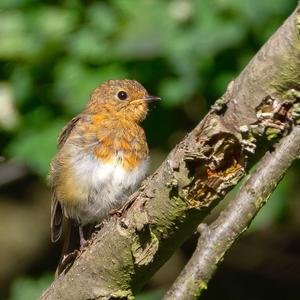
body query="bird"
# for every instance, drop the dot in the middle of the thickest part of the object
(102, 158)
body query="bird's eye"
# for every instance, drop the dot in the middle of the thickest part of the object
(122, 95)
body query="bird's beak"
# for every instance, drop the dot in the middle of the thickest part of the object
(151, 99)
(147, 99)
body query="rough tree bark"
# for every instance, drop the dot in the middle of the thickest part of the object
(218, 237)
(259, 105)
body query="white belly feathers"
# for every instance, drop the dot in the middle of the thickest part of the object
(106, 186)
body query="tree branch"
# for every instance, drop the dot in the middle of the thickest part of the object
(218, 237)
(199, 172)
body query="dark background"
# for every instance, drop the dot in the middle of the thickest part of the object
(53, 53)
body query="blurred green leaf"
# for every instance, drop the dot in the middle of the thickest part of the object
(29, 288)
(102, 18)
(15, 39)
(36, 146)
(22, 83)
(85, 45)
(256, 11)
(52, 22)
(145, 30)
(6, 4)
(174, 91)
(74, 82)
(151, 295)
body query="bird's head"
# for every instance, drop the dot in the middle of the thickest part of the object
(125, 98)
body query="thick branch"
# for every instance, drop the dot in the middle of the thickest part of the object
(217, 238)
(199, 172)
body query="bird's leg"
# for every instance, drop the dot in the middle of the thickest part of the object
(81, 236)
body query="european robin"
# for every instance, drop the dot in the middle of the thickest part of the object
(102, 158)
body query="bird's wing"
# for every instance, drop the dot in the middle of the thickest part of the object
(56, 209)
(56, 218)
(66, 131)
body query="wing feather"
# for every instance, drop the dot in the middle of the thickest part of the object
(56, 209)
(66, 131)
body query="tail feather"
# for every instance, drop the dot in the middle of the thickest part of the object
(71, 245)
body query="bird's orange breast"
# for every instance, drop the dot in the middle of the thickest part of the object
(115, 138)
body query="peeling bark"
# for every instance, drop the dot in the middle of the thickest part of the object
(261, 104)
(218, 237)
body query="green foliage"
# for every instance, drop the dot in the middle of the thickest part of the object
(36, 146)
(54, 54)
(29, 288)
(151, 295)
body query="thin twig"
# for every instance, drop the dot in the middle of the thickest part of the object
(218, 237)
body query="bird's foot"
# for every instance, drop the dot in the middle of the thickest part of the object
(83, 241)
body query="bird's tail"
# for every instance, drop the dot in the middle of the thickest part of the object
(71, 246)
